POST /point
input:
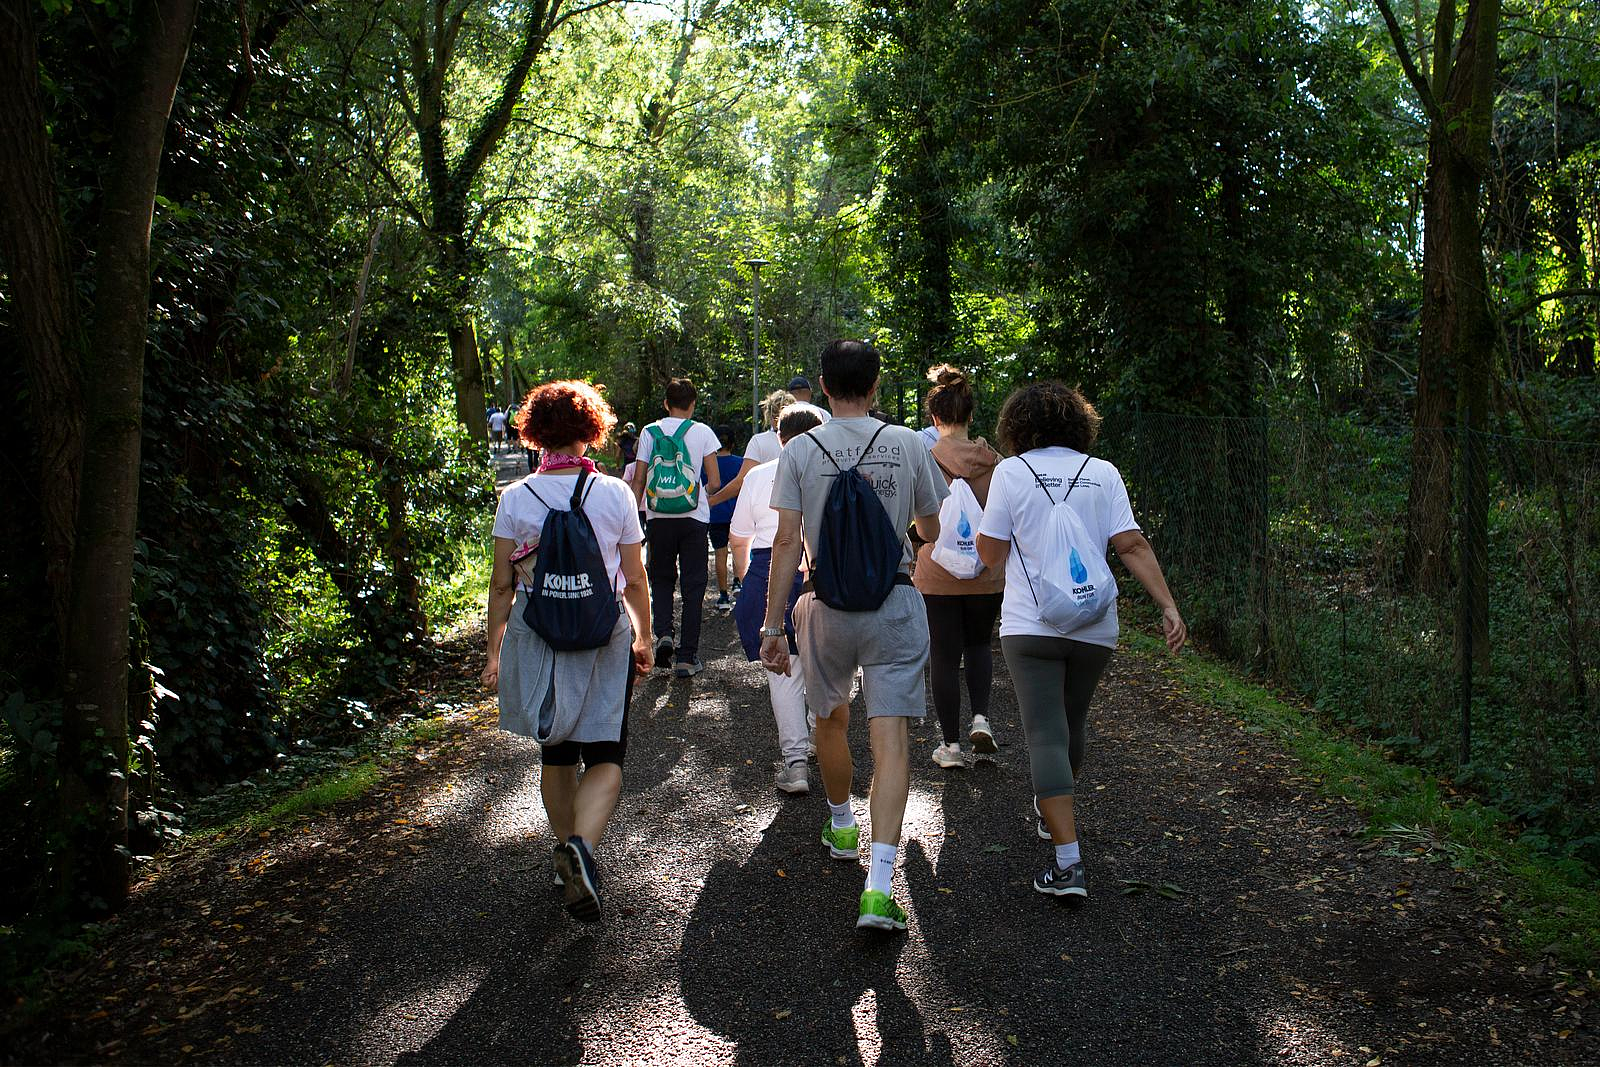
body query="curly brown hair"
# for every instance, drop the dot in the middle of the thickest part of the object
(564, 413)
(1044, 414)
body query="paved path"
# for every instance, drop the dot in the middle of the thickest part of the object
(418, 925)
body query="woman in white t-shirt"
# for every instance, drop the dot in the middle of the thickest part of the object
(1049, 429)
(761, 448)
(750, 535)
(574, 703)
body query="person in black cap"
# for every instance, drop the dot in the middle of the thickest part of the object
(800, 388)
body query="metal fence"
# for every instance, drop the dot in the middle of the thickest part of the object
(1292, 548)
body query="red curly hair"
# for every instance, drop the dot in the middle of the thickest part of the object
(564, 413)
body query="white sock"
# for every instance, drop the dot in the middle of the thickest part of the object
(881, 871)
(1067, 854)
(843, 815)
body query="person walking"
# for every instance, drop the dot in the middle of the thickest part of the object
(497, 429)
(845, 494)
(729, 467)
(761, 448)
(962, 607)
(1051, 513)
(668, 481)
(752, 530)
(573, 701)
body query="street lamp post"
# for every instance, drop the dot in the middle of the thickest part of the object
(755, 265)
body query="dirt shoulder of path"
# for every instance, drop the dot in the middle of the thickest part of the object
(1238, 916)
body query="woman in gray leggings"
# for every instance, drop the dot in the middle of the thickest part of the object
(1049, 428)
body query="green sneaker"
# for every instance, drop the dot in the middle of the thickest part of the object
(880, 912)
(841, 843)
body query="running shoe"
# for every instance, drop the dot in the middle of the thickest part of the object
(688, 668)
(841, 842)
(1061, 881)
(557, 880)
(724, 605)
(664, 648)
(880, 912)
(582, 889)
(948, 755)
(1039, 826)
(738, 587)
(982, 737)
(793, 778)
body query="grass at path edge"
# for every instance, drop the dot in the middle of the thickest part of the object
(1555, 904)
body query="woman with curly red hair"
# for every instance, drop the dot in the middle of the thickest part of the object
(574, 703)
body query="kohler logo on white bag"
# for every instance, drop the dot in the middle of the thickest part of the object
(567, 586)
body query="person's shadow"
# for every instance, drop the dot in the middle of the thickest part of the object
(771, 959)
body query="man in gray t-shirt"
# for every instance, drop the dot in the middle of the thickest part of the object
(889, 644)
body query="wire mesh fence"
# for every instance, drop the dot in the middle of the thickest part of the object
(1341, 561)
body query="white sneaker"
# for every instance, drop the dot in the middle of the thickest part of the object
(949, 756)
(982, 737)
(793, 778)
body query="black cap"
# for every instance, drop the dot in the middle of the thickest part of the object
(798, 382)
(723, 432)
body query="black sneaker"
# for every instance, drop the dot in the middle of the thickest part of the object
(724, 605)
(664, 651)
(688, 668)
(1061, 881)
(581, 889)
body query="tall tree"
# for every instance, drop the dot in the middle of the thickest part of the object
(93, 592)
(1459, 327)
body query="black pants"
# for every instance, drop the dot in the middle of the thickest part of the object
(677, 547)
(960, 627)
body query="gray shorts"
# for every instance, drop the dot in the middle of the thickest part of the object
(890, 645)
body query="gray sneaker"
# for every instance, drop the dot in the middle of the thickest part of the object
(1061, 881)
(793, 778)
(664, 651)
(688, 668)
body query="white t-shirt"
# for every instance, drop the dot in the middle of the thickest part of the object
(763, 448)
(497, 422)
(753, 516)
(700, 442)
(1018, 506)
(608, 502)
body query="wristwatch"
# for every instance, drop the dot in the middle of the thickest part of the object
(772, 631)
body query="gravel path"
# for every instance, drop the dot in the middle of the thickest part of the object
(1236, 917)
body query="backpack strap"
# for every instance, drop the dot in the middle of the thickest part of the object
(528, 485)
(824, 449)
(865, 452)
(682, 430)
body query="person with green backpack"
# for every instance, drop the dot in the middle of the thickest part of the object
(667, 478)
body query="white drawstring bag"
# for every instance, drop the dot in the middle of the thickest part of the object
(1075, 586)
(960, 515)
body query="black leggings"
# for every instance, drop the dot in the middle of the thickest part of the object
(593, 753)
(960, 627)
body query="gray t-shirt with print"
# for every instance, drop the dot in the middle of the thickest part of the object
(900, 470)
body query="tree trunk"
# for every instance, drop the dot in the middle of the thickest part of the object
(94, 747)
(467, 371)
(43, 303)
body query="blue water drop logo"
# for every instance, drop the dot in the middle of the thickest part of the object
(964, 528)
(1080, 573)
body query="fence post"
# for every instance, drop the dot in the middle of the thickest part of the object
(1467, 606)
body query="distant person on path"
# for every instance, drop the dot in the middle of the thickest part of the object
(497, 429)
(1043, 501)
(850, 489)
(754, 525)
(963, 601)
(800, 389)
(628, 443)
(673, 453)
(574, 702)
(729, 467)
(761, 448)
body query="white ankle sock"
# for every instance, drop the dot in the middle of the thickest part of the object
(881, 871)
(843, 815)
(1067, 855)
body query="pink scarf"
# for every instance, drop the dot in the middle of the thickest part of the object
(560, 461)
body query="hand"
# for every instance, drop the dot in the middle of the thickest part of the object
(775, 654)
(1172, 625)
(491, 673)
(644, 657)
